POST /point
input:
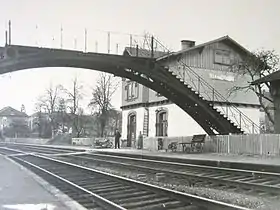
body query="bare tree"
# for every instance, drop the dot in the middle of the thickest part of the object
(114, 120)
(257, 65)
(49, 103)
(74, 96)
(101, 98)
(62, 114)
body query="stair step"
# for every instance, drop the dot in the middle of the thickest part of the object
(219, 112)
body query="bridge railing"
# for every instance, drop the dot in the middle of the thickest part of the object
(78, 38)
(202, 87)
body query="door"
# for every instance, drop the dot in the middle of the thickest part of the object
(131, 131)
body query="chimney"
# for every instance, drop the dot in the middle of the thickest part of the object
(186, 44)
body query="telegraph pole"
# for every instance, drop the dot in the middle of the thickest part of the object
(10, 32)
(6, 37)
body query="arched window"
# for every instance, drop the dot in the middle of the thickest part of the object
(161, 122)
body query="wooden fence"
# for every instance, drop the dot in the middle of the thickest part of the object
(254, 144)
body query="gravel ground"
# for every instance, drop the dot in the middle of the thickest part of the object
(249, 201)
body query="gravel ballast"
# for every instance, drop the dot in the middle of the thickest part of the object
(244, 200)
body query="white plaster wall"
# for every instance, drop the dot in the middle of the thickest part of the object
(139, 121)
(124, 123)
(253, 114)
(179, 122)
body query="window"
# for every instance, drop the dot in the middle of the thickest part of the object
(222, 57)
(131, 90)
(161, 123)
(126, 90)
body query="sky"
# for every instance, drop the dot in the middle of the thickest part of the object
(252, 23)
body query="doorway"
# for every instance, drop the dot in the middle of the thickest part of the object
(131, 129)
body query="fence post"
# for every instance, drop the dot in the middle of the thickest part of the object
(213, 95)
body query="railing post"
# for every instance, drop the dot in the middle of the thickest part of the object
(137, 48)
(198, 85)
(152, 46)
(130, 42)
(213, 95)
(253, 128)
(184, 73)
(227, 110)
(240, 118)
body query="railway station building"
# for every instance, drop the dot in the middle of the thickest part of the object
(148, 112)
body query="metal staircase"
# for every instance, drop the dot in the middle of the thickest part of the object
(198, 98)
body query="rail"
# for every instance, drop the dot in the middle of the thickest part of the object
(56, 171)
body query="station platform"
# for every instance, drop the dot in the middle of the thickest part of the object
(19, 189)
(246, 162)
(199, 156)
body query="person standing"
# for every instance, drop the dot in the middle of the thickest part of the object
(117, 139)
(140, 141)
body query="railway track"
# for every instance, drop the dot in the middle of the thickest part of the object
(99, 190)
(265, 184)
(245, 181)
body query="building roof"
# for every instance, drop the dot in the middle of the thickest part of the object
(35, 114)
(225, 39)
(269, 78)
(9, 111)
(160, 55)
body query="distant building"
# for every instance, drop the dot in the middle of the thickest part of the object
(154, 115)
(34, 119)
(39, 125)
(13, 122)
